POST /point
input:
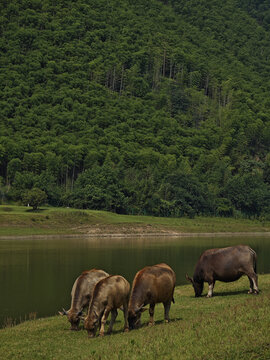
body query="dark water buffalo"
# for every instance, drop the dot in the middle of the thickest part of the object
(226, 264)
(151, 285)
(81, 295)
(109, 295)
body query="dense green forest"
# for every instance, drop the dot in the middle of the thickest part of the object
(139, 107)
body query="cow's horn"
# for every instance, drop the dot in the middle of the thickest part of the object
(64, 312)
(79, 313)
(139, 309)
(189, 278)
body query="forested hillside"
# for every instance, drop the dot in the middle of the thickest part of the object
(146, 106)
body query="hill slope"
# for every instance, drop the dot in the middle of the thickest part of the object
(157, 107)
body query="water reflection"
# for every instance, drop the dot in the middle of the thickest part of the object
(37, 275)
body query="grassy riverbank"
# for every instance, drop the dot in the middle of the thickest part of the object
(22, 221)
(231, 325)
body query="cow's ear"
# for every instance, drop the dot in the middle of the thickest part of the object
(189, 278)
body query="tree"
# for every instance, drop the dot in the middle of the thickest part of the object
(248, 193)
(34, 197)
(13, 166)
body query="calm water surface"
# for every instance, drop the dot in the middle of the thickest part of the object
(36, 276)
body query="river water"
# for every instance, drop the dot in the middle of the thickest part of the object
(36, 275)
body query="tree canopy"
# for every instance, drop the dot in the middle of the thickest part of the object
(146, 107)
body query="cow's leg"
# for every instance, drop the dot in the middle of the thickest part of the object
(210, 289)
(167, 306)
(103, 321)
(253, 281)
(251, 286)
(151, 313)
(126, 327)
(114, 314)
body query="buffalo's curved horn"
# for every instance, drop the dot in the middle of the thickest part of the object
(140, 309)
(79, 313)
(64, 312)
(189, 278)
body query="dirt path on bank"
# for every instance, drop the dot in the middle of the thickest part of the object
(135, 235)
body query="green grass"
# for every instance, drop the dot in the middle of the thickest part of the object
(231, 325)
(20, 220)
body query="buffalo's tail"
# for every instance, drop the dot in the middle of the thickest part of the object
(254, 260)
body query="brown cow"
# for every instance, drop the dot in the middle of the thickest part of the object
(151, 285)
(225, 264)
(109, 295)
(81, 295)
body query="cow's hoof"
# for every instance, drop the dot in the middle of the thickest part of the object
(101, 334)
(151, 323)
(126, 330)
(254, 292)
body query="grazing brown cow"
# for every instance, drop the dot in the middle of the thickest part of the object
(81, 295)
(109, 295)
(151, 285)
(225, 264)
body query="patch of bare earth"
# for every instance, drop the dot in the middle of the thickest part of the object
(123, 230)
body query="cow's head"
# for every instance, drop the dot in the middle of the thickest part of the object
(73, 317)
(134, 317)
(198, 286)
(91, 324)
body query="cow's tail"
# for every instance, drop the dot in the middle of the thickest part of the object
(172, 294)
(254, 259)
(255, 262)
